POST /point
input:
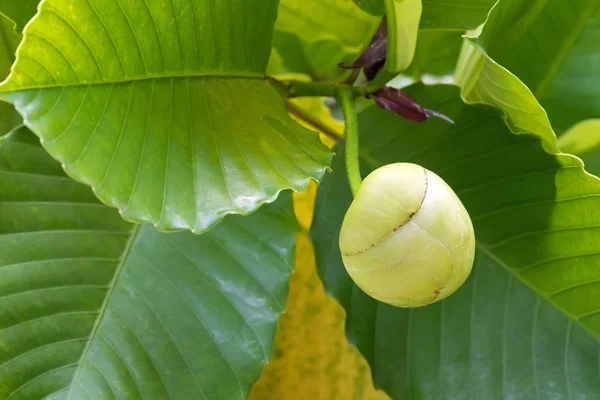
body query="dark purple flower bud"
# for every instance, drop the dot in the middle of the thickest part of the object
(373, 58)
(372, 70)
(400, 103)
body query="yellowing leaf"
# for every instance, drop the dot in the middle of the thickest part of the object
(303, 205)
(303, 109)
(312, 358)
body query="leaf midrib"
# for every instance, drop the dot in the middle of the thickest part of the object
(185, 74)
(111, 287)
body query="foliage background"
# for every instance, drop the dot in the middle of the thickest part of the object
(525, 325)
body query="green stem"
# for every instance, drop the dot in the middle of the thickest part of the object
(344, 97)
(352, 77)
(318, 89)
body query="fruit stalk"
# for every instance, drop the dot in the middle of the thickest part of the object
(346, 101)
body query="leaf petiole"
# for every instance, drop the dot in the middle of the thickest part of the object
(318, 89)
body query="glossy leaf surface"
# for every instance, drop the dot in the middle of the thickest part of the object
(92, 307)
(174, 123)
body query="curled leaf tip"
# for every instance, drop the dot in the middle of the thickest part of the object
(403, 105)
(438, 115)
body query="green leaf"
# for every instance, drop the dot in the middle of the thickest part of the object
(515, 328)
(174, 123)
(92, 307)
(316, 59)
(482, 80)
(9, 41)
(557, 61)
(573, 94)
(313, 36)
(436, 53)
(456, 14)
(403, 26)
(581, 139)
(20, 11)
(374, 7)
(592, 163)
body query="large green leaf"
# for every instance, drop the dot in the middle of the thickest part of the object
(9, 41)
(92, 307)
(515, 329)
(552, 47)
(163, 107)
(484, 80)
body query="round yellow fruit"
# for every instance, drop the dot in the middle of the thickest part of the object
(407, 240)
